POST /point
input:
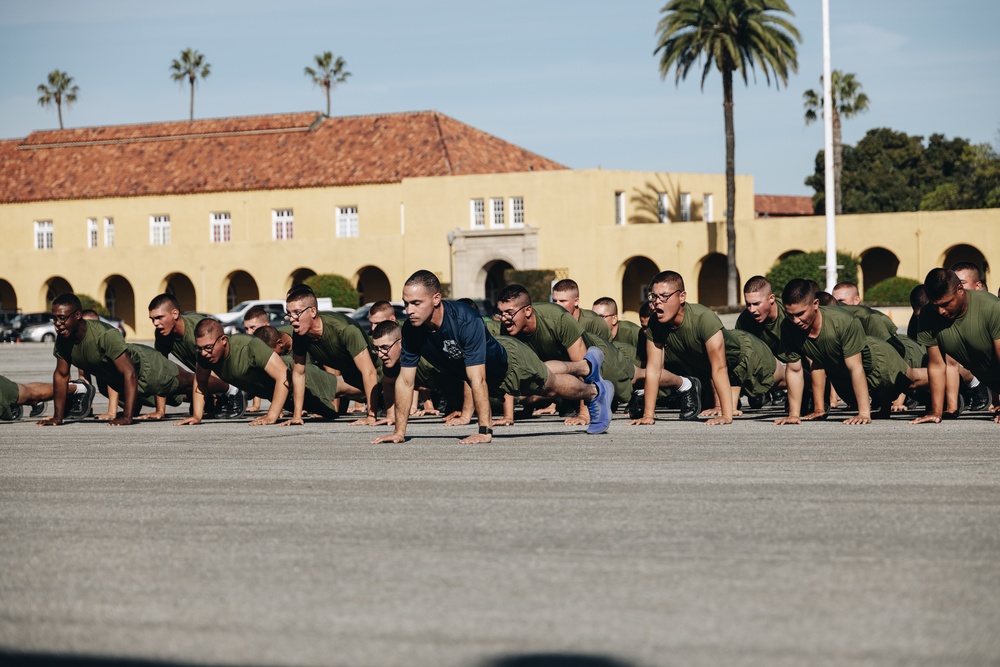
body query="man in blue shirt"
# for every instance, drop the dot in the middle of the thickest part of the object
(453, 338)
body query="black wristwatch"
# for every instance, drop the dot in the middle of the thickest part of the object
(485, 430)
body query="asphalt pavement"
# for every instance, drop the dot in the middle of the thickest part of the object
(672, 544)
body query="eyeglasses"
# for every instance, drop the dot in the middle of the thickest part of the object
(208, 348)
(383, 350)
(609, 315)
(294, 315)
(509, 314)
(61, 319)
(654, 298)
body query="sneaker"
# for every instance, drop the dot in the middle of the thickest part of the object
(691, 400)
(37, 409)
(637, 404)
(601, 405)
(977, 398)
(758, 401)
(78, 404)
(233, 407)
(595, 357)
(16, 411)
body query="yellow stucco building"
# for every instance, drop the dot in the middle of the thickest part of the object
(219, 211)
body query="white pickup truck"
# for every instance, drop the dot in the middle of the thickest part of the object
(232, 322)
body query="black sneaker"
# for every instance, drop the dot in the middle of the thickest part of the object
(977, 398)
(234, 406)
(78, 404)
(758, 401)
(690, 400)
(16, 412)
(637, 404)
(37, 409)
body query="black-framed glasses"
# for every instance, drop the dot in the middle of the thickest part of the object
(509, 314)
(61, 319)
(608, 315)
(294, 315)
(208, 348)
(654, 298)
(383, 350)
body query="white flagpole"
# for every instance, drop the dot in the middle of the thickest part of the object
(831, 226)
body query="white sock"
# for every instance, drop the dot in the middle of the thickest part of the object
(77, 388)
(233, 390)
(974, 382)
(685, 384)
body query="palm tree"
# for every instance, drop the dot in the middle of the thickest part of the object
(732, 36)
(328, 74)
(848, 101)
(60, 89)
(190, 66)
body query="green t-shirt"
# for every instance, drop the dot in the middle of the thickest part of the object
(684, 347)
(555, 332)
(594, 323)
(245, 365)
(841, 336)
(96, 352)
(769, 332)
(182, 347)
(628, 333)
(342, 340)
(969, 338)
(877, 325)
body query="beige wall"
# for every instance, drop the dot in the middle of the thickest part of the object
(404, 227)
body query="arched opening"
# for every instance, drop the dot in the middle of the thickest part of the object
(635, 281)
(8, 297)
(877, 264)
(182, 289)
(373, 285)
(119, 299)
(53, 287)
(495, 282)
(298, 276)
(967, 253)
(712, 289)
(788, 253)
(240, 286)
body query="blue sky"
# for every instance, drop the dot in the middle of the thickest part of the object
(574, 81)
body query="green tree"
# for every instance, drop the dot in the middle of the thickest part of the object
(338, 288)
(190, 66)
(328, 73)
(893, 291)
(848, 101)
(733, 36)
(59, 89)
(88, 302)
(809, 265)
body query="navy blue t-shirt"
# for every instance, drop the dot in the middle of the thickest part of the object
(460, 341)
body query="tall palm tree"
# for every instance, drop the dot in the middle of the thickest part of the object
(848, 101)
(328, 73)
(732, 36)
(190, 66)
(60, 89)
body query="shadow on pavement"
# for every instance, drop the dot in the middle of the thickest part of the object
(554, 660)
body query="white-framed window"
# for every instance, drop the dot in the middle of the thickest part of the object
(477, 213)
(517, 211)
(496, 212)
(663, 207)
(44, 235)
(109, 232)
(91, 232)
(708, 208)
(347, 222)
(221, 228)
(282, 224)
(159, 230)
(619, 208)
(685, 207)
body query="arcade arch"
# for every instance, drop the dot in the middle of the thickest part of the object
(8, 297)
(119, 299)
(182, 289)
(637, 273)
(240, 286)
(712, 288)
(877, 264)
(373, 285)
(53, 287)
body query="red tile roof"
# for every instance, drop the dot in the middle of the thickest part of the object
(279, 151)
(774, 206)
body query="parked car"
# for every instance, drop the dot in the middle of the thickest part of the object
(232, 321)
(361, 314)
(46, 333)
(24, 320)
(6, 317)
